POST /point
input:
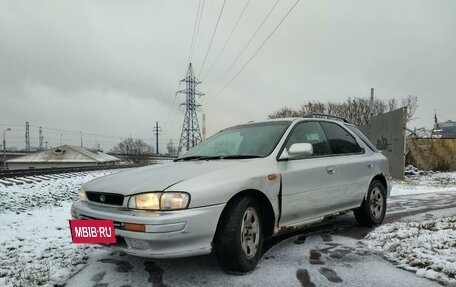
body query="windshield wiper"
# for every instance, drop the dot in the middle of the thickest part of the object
(241, 156)
(192, 157)
(230, 156)
(202, 157)
(199, 157)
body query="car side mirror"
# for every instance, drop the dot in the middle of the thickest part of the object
(298, 150)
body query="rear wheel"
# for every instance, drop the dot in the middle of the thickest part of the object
(372, 210)
(239, 238)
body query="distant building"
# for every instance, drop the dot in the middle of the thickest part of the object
(63, 156)
(444, 130)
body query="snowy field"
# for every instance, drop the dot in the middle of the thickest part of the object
(36, 248)
(35, 244)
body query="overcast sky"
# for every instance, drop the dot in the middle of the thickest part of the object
(112, 68)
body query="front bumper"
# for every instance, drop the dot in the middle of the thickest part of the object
(169, 234)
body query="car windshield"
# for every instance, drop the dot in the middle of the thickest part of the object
(243, 141)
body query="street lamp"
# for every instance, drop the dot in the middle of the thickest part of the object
(4, 148)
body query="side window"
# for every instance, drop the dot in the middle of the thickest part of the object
(340, 140)
(310, 132)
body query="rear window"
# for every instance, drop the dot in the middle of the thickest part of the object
(359, 134)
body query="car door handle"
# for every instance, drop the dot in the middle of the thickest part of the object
(370, 165)
(331, 170)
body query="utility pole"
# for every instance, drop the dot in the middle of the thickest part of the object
(81, 137)
(436, 122)
(4, 148)
(157, 130)
(191, 134)
(41, 138)
(46, 144)
(27, 136)
(371, 104)
(204, 126)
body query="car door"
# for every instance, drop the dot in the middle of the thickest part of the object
(355, 168)
(310, 183)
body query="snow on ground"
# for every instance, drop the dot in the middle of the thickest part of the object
(53, 192)
(418, 181)
(36, 248)
(35, 242)
(425, 244)
(302, 260)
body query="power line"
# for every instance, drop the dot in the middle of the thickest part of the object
(199, 25)
(15, 125)
(194, 31)
(227, 40)
(75, 133)
(212, 38)
(257, 50)
(171, 109)
(245, 46)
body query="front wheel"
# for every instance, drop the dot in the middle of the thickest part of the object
(239, 238)
(372, 210)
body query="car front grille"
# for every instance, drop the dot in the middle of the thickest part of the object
(105, 198)
(117, 224)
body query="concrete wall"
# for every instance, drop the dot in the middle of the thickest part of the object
(387, 133)
(432, 154)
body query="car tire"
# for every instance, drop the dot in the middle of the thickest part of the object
(239, 237)
(373, 208)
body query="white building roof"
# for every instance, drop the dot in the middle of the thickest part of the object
(65, 154)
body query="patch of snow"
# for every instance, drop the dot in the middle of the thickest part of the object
(45, 193)
(427, 247)
(36, 248)
(425, 182)
(35, 239)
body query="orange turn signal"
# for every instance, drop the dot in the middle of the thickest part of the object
(134, 227)
(272, 176)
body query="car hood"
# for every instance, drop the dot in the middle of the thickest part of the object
(155, 177)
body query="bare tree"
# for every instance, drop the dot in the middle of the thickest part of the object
(133, 150)
(284, 112)
(356, 110)
(392, 105)
(411, 102)
(336, 109)
(312, 108)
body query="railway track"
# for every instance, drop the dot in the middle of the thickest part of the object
(18, 177)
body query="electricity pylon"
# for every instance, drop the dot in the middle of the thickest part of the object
(191, 134)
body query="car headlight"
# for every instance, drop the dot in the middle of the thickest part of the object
(159, 201)
(82, 194)
(145, 201)
(174, 200)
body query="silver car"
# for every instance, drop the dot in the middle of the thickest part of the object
(245, 184)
